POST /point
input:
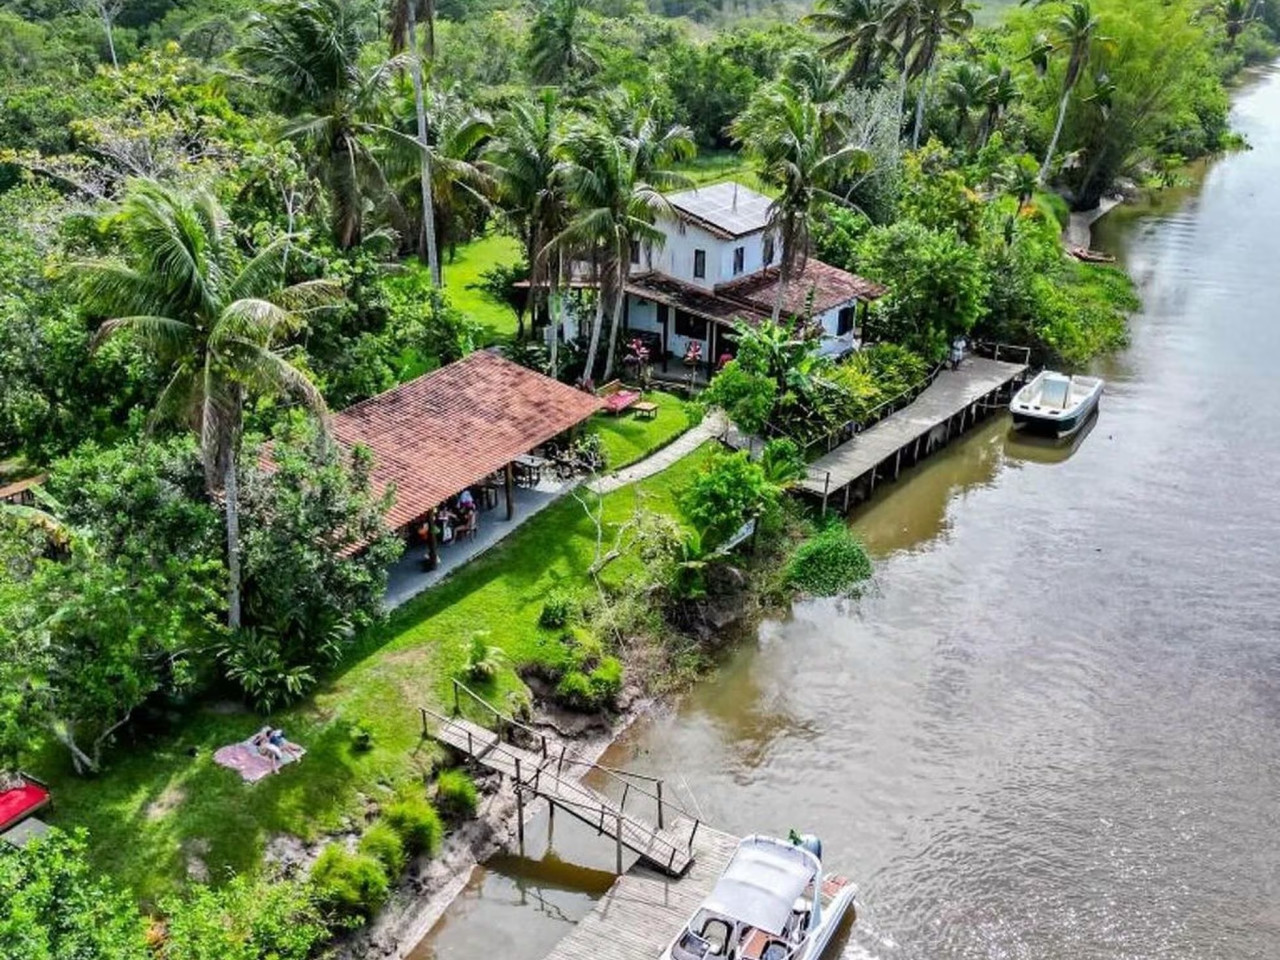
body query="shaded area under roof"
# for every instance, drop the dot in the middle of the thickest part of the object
(700, 303)
(829, 286)
(729, 209)
(437, 435)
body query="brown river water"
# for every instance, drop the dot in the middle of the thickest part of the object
(1051, 727)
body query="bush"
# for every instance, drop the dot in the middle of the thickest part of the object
(557, 609)
(456, 794)
(484, 659)
(593, 689)
(574, 691)
(361, 739)
(243, 920)
(383, 844)
(606, 680)
(830, 563)
(352, 885)
(417, 824)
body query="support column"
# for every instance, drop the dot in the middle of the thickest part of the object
(433, 552)
(897, 463)
(509, 483)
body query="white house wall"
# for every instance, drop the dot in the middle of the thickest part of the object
(675, 257)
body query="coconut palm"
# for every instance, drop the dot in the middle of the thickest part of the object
(557, 47)
(1235, 16)
(522, 160)
(212, 316)
(933, 22)
(855, 27)
(789, 137)
(404, 35)
(307, 54)
(997, 95)
(612, 208)
(964, 91)
(1076, 33)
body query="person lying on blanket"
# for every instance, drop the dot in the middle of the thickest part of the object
(262, 742)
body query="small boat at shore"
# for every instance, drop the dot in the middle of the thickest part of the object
(771, 903)
(1056, 404)
(1085, 255)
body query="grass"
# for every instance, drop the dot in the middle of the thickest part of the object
(626, 439)
(717, 166)
(163, 800)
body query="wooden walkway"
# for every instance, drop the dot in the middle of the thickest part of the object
(644, 911)
(953, 400)
(541, 772)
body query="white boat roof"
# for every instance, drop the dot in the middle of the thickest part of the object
(761, 884)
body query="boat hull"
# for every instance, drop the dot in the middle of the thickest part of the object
(1063, 425)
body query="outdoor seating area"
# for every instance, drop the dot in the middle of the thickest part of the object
(21, 798)
(617, 397)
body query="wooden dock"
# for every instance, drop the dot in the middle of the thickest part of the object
(525, 757)
(955, 400)
(644, 911)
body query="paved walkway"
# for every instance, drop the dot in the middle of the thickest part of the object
(712, 426)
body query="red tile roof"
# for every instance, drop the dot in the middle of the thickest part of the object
(701, 303)
(830, 286)
(437, 435)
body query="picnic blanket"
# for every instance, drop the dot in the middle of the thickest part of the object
(252, 766)
(22, 802)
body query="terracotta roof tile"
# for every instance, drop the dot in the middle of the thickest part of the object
(434, 436)
(830, 286)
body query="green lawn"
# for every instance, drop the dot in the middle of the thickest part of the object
(163, 799)
(626, 439)
(717, 166)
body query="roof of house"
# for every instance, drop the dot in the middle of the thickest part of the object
(690, 299)
(437, 435)
(829, 287)
(21, 486)
(728, 210)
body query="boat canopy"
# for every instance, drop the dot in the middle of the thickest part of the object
(761, 884)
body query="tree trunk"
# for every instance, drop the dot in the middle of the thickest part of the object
(111, 43)
(920, 104)
(419, 106)
(618, 303)
(594, 345)
(557, 317)
(231, 494)
(81, 762)
(1057, 134)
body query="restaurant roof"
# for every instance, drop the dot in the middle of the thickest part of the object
(729, 208)
(437, 435)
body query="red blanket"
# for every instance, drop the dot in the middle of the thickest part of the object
(617, 402)
(17, 805)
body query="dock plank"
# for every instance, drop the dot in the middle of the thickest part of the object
(952, 392)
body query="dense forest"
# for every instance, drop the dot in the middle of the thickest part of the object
(217, 218)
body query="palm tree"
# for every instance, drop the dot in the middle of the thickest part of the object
(997, 95)
(213, 316)
(965, 90)
(557, 49)
(404, 34)
(855, 26)
(789, 137)
(307, 53)
(1076, 32)
(612, 208)
(1235, 16)
(522, 159)
(935, 22)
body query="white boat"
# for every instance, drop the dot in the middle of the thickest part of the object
(771, 903)
(1055, 403)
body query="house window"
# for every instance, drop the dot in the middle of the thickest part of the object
(635, 252)
(681, 227)
(768, 251)
(700, 264)
(690, 326)
(844, 322)
(739, 260)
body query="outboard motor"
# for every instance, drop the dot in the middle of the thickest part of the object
(808, 841)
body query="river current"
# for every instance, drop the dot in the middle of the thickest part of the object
(1051, 727)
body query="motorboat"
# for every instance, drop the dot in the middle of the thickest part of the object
(1055, 403)
(771, 903)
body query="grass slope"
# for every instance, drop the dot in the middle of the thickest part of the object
(163, 800)
(626, 439)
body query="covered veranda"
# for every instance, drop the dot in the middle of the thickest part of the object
(459, 449)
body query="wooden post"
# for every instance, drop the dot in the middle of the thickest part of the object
(423, 712)
(693, 833)
(897, 463)
(509, 483)
(517, 771)
(659, 804)
(433, 551)
(457, 709)
(619, 826)
(520, 816)
(626, 789)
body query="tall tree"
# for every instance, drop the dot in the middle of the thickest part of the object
(964, 91)
(213, 317)
(404, 34)
(308, 56)
(855, 27)
(788, 135)
(105, 11)
(1075, 33)
(558, 49)
(997, 95)
(522, 158)
(936, 21)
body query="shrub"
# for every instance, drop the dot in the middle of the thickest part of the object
(574, 691)
(243, 920)
(456, 794)
(606, 680)
(361, 739)
(557, 609)
(352, 885)
(417, 824)
(383, 844)
(593, 689)
(484, 660)
(830, 563)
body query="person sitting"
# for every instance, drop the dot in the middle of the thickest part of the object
(278, 740)
(261, 742)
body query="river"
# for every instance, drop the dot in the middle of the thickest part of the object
(1051, 727)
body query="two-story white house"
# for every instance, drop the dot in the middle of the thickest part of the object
(718, 265)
